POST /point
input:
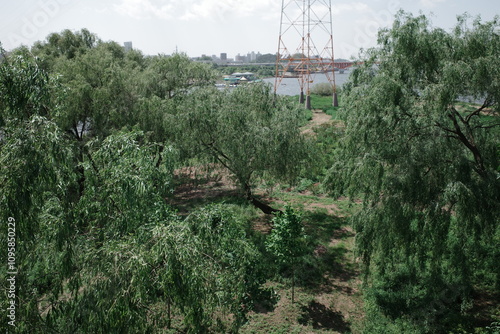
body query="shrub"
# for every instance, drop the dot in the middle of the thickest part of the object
(322, 89)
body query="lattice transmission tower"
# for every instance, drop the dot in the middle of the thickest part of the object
(305, 47)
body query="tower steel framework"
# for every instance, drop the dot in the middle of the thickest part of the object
(305, 46)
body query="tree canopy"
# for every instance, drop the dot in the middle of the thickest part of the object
(248, 131)
(90, 137)
(421, 148)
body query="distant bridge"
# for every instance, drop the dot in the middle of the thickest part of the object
(344, 65)
(339, 65)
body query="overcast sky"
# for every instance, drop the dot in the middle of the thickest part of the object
(214, 26)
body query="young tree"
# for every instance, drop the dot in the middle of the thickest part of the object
(426, 166)
(248, 131)
(287, 240)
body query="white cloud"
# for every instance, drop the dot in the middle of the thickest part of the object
(342, 8)
(197, 9)
(226, 9)
(431, 3)
(211, 9)
(145, 9)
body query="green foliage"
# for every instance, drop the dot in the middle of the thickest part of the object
(64, 45)
(322, 89)
(328, 137)
(249, 131)
(205, 266)
(287, 241)
(124, 182)
(426, 170)
(170, 76)
(98, 263)
(24, 89)
(262, 71)
(98, 248)
(96, 97)
(325, 104)
(231, 260)
(266, 58)
(165, 83)
(306, 113)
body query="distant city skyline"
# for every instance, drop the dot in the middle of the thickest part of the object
(224, 56)
(211, 27)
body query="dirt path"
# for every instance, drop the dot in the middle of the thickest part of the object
(318, 118)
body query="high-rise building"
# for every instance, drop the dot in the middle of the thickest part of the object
(240, 59)
(223, 56)
(127, 46)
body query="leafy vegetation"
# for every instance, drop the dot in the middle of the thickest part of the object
(287, 240)
(148, 201)
(262, 71)
(427, 171)
(91, 138)
(247, 131)
(322, 89)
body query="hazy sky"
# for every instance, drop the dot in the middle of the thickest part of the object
(214, 26)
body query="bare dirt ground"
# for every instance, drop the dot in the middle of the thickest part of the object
(318, 118)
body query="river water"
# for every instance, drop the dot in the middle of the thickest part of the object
(290, 86)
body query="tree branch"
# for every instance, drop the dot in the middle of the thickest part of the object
(94, 166)
(218, 155)
(486, 104)
(83, 127)
(486, 126)
(468, 143)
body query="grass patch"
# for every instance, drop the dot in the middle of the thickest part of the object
(325, 103)
(318, 102)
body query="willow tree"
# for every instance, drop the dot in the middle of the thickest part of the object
(35, 173)
(66, 44)
(421, 148)
(172, 76)
(113, 256)
(247, 131)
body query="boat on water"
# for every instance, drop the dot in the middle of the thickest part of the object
(237, 78)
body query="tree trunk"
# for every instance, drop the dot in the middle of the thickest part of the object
(169, 315)
(160, 157)
(80, 170)
(263, 206)
(255, 202)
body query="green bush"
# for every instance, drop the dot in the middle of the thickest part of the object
(322, 89)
